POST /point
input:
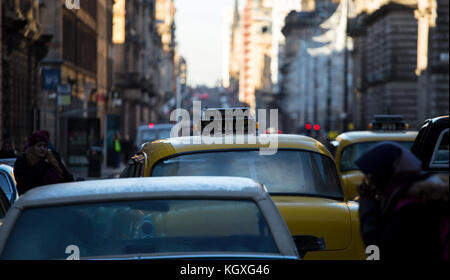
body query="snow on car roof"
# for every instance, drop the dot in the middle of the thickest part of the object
(142, 188)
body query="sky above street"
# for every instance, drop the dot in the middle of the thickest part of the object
(200, 35)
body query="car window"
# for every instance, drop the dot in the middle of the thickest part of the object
(148, 136)
(5, 185)
(286, 172)
(164, 133)
(441, 154)
(4, 205)
(140, 227)
(351, 153)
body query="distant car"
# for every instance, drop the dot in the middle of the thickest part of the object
(152, 132)
(147, 218)
(432, 145)
(349, 146)
(8, 183)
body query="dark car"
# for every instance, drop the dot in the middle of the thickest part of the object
(8, 183)
(432, 145)
(147, 218)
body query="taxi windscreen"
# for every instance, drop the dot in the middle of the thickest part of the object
(290, 172)
(351, 153)
(140, 227)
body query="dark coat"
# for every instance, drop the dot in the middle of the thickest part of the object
(407, 224)
(43, 173)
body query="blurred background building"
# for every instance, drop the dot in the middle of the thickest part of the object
(339, 62)
(85, 72)
(23, 46)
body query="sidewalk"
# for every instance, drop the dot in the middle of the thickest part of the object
(106, 172)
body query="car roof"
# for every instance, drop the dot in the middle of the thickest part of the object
(6, 168)
(156, 126)
(364, 136)
(197, 143)
(440, 118)
(142, 188)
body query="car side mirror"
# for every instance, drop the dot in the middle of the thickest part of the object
(307, 243)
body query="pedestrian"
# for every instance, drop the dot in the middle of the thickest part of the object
(402, 210)
(127, 148)
(39, 166)
(50, 145)
(117, 148)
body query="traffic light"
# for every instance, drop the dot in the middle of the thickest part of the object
(316, 127)
(308, 128)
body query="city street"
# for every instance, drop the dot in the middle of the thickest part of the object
(259, 130)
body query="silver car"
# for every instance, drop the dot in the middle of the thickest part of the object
(147, 218)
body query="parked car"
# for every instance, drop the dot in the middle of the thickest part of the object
(147, 218)
(432, 145)
(8, 183)
(301, 177)
(349, 146)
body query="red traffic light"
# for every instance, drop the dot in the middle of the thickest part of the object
(308, 126)
(317, 127)
(151, 125)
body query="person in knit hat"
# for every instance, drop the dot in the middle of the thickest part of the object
(402, 210)
(38, 165)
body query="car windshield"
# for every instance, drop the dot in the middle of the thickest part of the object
(140, 227)
(290, 172)
(148, 135)
(155, 134)
(351, 153)
(164, 133)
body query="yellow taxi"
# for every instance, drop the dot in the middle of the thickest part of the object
(301, 177)
(349, 146)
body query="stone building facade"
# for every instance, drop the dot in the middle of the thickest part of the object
(433, 57)
(385, 61)
(23, 45)
(313, 73)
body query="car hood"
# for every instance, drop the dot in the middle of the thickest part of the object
(320, 217)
